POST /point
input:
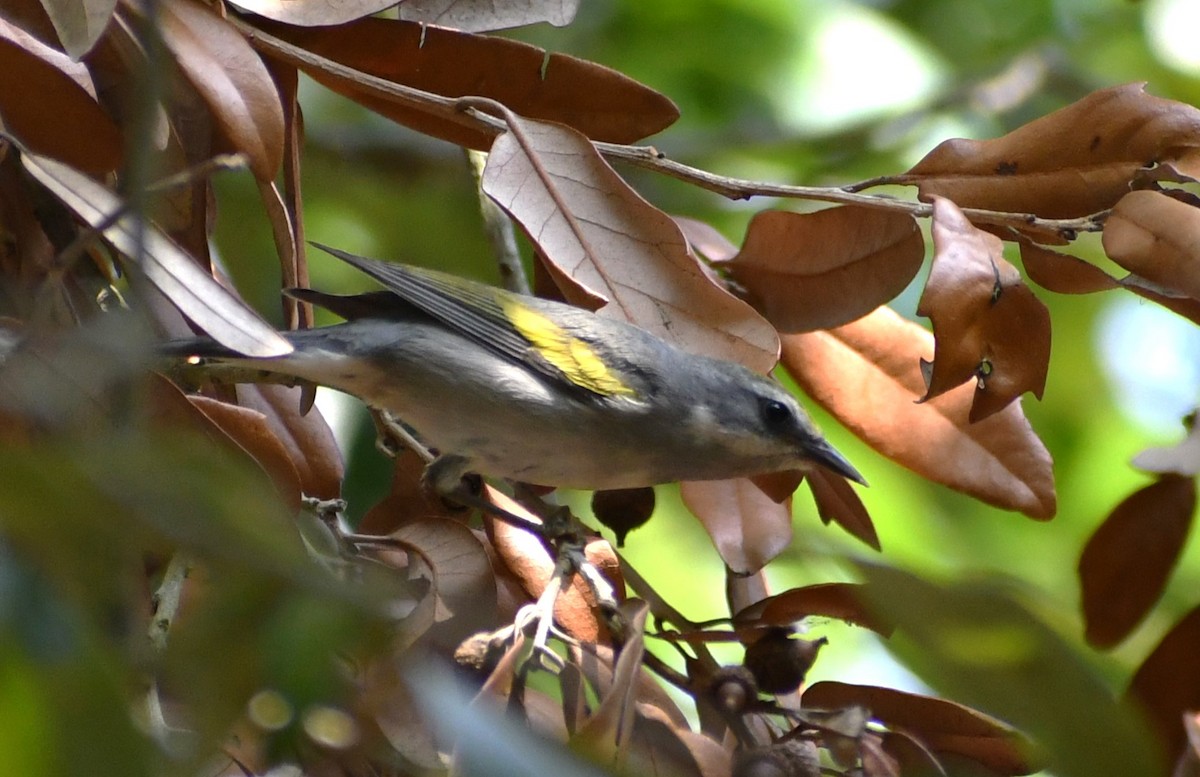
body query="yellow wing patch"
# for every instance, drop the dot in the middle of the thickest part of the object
(572, 356)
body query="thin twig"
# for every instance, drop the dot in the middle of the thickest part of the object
(463, 111)
(499, 230)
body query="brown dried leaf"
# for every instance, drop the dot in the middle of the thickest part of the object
(837, 501)
(807, 271)
(201, 298)
(399, 716)
(1063, 273)
(307, 438)
(705, 240)
(878, 762)
(943, 726)
(314, 13)
(1125, 564)
(49, 103)
(747, 527)
(660, 748)
(1073, 162)
(867, 374)
(596, 664)
(911, 755)
(462, 597)
(596, 231)
(526, 557)
(1157, 237)
(231, 78)
(1167, 684)
(987, 324)
(829, 600)
(31, 16)
(1181, 459)
(251, 432)
(1067, 274)
(606, 734)
(407, 501)
(601, 103)
(636, 737)
(485, 15)
(779, 485)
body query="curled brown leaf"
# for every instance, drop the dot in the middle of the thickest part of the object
(987, 324)
(838, 502)
(1073, 162)
(867, 374)
(1066, 274)
(231, 78)
(462, 598)
(307, 438)
(1157, 237)
(250, 430)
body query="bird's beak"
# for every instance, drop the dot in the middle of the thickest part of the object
(824, 454)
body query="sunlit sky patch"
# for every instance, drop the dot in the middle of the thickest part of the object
(1171, 33)
(1152, 359)
(854, 64)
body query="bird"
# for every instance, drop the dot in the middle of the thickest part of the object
(512, 386)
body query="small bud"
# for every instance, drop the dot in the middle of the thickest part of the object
(792, 758)
(733, 688)
(479, 653)
(779, 662)
(623, 509)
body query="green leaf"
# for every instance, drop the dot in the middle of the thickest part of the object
(978, 645)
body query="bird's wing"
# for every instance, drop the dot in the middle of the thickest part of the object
(496, 319)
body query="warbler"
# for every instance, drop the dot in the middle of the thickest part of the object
(512, 386)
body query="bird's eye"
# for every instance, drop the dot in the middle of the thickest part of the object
(775, 413)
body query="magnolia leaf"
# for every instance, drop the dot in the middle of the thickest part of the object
(987, 324)
(747, 527)
(49, 103)
(1167, 684)
(1073, 162)
(486, 15)
(1126, 562)
(196, 293)
(231, 78)
(941, 725)
(867, 375)
(597, 101)
(807, 271)
(1157, 237)
(601, 239)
